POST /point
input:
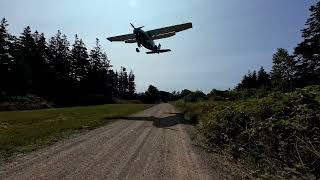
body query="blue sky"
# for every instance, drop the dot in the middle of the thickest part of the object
(228, 39)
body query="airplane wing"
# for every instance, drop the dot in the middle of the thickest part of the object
(128, 38)
(168, 31)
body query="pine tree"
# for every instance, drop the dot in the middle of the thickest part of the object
(131, 84)
(308, 51)
(99, 59)
(99, 79)
(7, 63)
(40, 67)
(113, 80)
(263, 78)
(253, 80)
(247, 80)
(283, 70)
(59, 59)
(123, 82)
(116, 86)
(26, 60)
(61, 79)
(80, 61)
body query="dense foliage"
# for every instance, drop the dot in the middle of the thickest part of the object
(270, 120)
(57, 71)
(277, 133)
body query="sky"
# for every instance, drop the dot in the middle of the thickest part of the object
(228, 38)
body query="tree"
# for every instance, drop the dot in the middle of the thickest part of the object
(99, 59)
(123, 82)
(249, 81)
(195, 96)
(308, 51)
(152, 94)
(175, 95)
(283, 70)
(59, 59)
(115, 84)
(30, 64)
(131, 85)
(263, 78)
(99, 79)
(62, 84)
(40, 66)
(7, 63)
(184, 93)
(165, 96)
(80, 61)
(26, 62)
(253, 79)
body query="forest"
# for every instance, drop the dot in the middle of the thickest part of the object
(34, 71)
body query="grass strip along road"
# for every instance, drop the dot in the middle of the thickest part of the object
(23, 131)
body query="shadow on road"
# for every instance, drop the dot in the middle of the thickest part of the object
(171, 119)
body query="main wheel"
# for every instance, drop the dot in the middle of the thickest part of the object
(137, 49)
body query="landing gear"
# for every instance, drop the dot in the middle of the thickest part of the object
(137, 49)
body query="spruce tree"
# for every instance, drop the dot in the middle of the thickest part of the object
(283, 70)
(263, 78)
(26, 60)
(80, 61)
(131, 84)
(62, 83)
(98, 77)
(7, 63)
(59, 59)
(40, 67)
(125, 83)
(308, 51)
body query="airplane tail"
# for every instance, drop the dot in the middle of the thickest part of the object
(159, 51)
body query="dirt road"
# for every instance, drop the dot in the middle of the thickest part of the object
(153, 144)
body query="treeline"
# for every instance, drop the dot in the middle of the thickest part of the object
(60, 72)
(291, 71)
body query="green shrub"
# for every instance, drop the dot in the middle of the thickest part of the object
(279, 134)
(28, 102)
(195, 97)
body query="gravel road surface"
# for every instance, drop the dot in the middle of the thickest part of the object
(152, 144)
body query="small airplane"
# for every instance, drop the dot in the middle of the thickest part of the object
(146, 38)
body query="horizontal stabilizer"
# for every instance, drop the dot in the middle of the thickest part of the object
(159, 51)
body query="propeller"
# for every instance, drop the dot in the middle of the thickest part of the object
(135, 27)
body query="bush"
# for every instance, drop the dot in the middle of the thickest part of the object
(195, 96)
(278, 134)
(28, 102)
